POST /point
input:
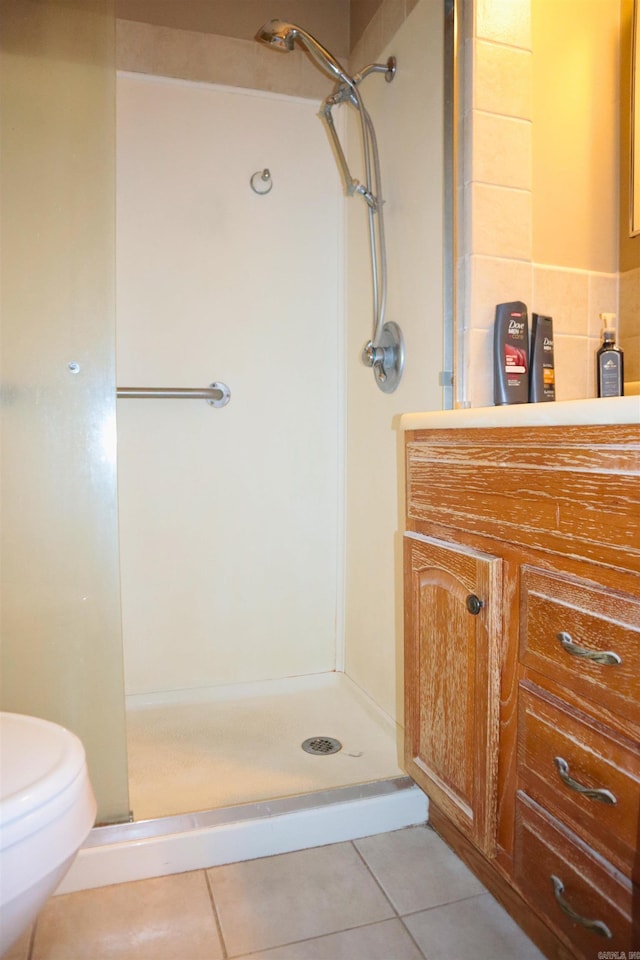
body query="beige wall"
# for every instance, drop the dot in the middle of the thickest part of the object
(214, 42)
(210, 58)
(575, 110)
(362, 13)
(529, 228)
(412, 176)
(229, 519)
(174, 45)
(629, 247)
(338, 24)
(328, 20)
(411, 155)
(380, 26)
(629, 307)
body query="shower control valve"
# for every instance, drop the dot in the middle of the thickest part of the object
(375, 357)
(371, 354)
(386, 358)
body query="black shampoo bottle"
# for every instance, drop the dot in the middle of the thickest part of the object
(511, 354)
(542, 378)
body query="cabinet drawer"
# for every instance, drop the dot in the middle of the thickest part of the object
(596, 758)
(572, 490)
(588, 904)
(592, 622)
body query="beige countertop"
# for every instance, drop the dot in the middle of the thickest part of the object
(559, 413)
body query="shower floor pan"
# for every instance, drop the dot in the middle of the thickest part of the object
(226, 779)
(238, 745)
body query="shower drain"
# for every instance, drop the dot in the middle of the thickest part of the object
(321, 746)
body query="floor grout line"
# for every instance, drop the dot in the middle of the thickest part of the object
(32, 940)
(412, 913)
(391, 904)
(445, 903)
(320, 936)
(375, 879)
(291, 943)
(369, 871)
(216, 916)
(413, 939)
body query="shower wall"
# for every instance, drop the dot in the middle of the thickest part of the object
(244, 602)
(230, 519)
(408, 116)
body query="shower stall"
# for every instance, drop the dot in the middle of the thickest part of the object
(234, 589)
(230, 518)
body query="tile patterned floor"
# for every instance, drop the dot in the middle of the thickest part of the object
(397, 896)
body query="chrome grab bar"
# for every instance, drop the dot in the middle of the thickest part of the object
(216, 394)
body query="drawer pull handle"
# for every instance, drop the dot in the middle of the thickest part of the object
(603, 796)
(596, 925)
(596, 656)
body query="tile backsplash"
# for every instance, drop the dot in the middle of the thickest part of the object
(496, 261)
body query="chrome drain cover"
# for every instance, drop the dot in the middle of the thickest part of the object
(321, 746)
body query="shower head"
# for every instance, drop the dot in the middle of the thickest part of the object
(282, 35)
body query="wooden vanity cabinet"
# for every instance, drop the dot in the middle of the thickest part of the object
(522, 669)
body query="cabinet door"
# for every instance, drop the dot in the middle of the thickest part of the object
(452, 681)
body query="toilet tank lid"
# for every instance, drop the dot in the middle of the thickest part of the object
(38, 759)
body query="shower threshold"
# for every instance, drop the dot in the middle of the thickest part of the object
(184, 822)
(123, 852)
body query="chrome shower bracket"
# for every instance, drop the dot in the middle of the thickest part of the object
(389, 69)
(386, 358)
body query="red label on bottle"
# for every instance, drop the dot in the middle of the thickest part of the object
(515, 359)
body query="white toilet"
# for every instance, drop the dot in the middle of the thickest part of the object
(47, 809)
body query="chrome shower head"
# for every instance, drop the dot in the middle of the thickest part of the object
(281, 35)
(277, 34)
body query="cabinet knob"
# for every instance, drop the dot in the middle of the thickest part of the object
(474, 604)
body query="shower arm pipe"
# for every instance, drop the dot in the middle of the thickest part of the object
(388, 68)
